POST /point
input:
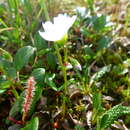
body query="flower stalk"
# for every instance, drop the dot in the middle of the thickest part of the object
(63, 68)
(57, 31)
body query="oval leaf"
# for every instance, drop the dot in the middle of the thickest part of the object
(39, 75)
(22, 57)
(32, 125)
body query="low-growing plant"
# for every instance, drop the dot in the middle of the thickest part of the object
(54, 77)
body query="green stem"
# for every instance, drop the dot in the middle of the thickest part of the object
(64, 74)
(18, 76)
(90, 4)
(65, 53)
(62, 66)
(15, 92)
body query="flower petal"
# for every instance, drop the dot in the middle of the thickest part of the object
(47, 26)
(44, 35)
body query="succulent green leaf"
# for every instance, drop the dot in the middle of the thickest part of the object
(32, 125)
(39, 75)
(104, 42)
(17, 106)
(6, 68)
(51, 60)
(99, 23)
(36, 97)
(39, 42)
(22, 57)
(4, 85)
(89, 51)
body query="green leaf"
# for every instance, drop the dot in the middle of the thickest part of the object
(99, 23)
(119, 70)
(39, 75)
(75, 64)
(7, 69)
(49, 81)
(51, 60)
(4, 85)
(11, 73)
(32, 125)
(44, 51)
(97, 104)
(89, 51)
(90, 4)
(78, 127)
(36, 97)
(103, 43)
(85, 32)
(39, 42)
(27, 7)
(4, 64)
(100, 74)
(22, 57)
(42, 3)
(17, 106)
(111, 115)
(2, 9)
(102, 124)
(6, 55)
(11, 5)
(2, 91)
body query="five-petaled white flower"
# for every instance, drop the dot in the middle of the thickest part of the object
(58, 29)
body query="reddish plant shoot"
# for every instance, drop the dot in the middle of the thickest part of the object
(29, 93)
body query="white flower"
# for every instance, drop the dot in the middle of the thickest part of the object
(58, 29)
